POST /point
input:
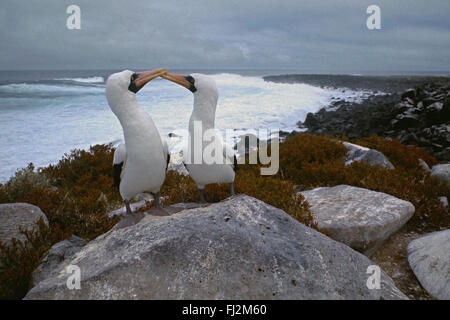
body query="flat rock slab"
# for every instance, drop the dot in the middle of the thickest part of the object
(429, 258)
(241, 248)
(360, 218)
(14, 216)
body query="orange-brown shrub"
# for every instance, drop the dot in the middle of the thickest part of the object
(399, 154)
(312, 161)
(77, 192)
(272, 190)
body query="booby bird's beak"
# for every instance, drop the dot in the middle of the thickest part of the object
(146, 76)
(185, 81)
(140, 79)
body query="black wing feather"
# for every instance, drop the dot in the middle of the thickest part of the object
(168, 160)
(117, 170)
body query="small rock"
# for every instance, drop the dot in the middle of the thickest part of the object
(359, 153)
(410, 93)
(436, 106)
(424, 165)
(441, 171)
(444, 202)
(429, 258)
(311, 121)
(14, 216)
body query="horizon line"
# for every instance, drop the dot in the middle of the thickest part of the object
(352, 72)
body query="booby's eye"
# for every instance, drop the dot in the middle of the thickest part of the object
(132, 87)
(190, 79)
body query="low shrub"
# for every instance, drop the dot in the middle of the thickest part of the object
(272, 190)
(77, 192)
(399, 154)
(313, 161)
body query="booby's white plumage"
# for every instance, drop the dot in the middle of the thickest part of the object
(143, 157)
(205, 103)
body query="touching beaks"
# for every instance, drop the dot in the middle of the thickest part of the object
(185, 81)
(142, 78)
(147, 76)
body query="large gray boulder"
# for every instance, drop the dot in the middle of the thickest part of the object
(429, 258)
(241, 248)
(360, 218)
(371, 156)
(14, 216)
(441, 171)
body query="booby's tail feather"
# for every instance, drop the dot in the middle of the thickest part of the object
(117, 170)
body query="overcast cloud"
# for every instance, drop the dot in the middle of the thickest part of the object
(308, 35)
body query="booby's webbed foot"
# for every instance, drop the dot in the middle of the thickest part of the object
(232, 189)
(130, 220)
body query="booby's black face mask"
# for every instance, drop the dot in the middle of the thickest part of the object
(191, 81)
(133, 87)
(185, 81)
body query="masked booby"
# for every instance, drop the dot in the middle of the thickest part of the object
(205, 102)
(140, 164)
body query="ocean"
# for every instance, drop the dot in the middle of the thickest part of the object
(45, 114)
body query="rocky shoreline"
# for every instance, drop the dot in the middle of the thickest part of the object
(415, 110)
(386, 84)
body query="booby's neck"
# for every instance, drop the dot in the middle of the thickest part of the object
(137, 124)
(129, 114)
(204, 111)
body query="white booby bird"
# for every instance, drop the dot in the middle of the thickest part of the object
(205, 101)
(140, 164)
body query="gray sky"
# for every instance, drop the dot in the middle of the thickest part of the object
(307, 35)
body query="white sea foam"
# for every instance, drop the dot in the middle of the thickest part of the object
(41, 130)
(30, 88)
(84, 80)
